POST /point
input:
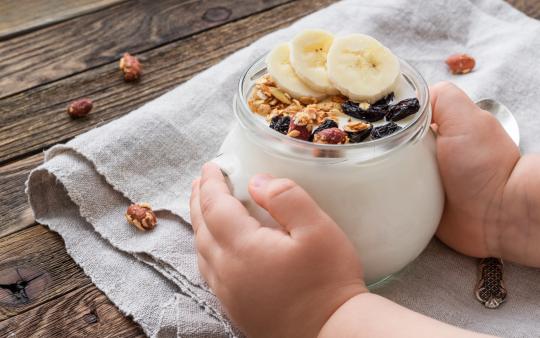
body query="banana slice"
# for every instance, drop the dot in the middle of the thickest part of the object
(278, 64)
(308, 59)
(362, 68)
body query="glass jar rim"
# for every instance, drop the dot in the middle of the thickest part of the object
(249, 121)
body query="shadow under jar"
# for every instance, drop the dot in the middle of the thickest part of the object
(385, 194)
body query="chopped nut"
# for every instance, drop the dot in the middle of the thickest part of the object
(307, 100)
(130, 66)
(364, 105)
(294, 133)
(141, 216)
(266, 79)
(264, 109)
(330, 136)
(460, 63)
(336, 111)
(278, 94)
(326, 106)
(261, 95)
(302, 118)
(80, 108)
(265, 89)
(355, 126)
(292, 109)
(338, 98)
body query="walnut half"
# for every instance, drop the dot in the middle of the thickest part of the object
(141, 216)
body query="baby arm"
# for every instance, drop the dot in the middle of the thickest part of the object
(370, 315)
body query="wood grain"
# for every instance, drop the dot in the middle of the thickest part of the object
(21, 16)
(37, 249)
(85, 312)
(36, 119)
(529, 7)
(15, 213)
(98, 38)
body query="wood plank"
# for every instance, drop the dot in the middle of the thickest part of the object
(98, 38)
(35, 253)
(529, 7)
(15, 213)
(36, 119)
(85, 312)
(21, 16)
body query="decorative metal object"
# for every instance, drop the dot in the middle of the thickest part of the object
(490, 289)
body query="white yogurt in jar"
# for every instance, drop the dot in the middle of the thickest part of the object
(385, 194)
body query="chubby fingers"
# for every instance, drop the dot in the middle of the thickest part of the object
(225, 217)
(207, 246)
(453, 110)
(289, 204)
(194, 206)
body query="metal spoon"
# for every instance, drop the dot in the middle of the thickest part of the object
(490, 288)
(503, 114)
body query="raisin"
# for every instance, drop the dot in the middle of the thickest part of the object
(385, 100)
(384, 130)
(280, 123)
(328, 123)
(359, 136)
(402, 109)
(372, 114)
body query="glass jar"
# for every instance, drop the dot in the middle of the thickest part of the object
(386, 194)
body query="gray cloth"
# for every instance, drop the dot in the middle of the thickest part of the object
(153, 154)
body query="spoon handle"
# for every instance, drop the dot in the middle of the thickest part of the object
(490, 288)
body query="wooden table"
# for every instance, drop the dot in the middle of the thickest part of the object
(55, 51)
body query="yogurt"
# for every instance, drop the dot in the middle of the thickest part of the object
(385, 194)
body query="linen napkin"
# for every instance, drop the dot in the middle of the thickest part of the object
(152, 155)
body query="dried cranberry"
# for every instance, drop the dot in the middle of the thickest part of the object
(384, 130)
(280, 123)
(402, 109)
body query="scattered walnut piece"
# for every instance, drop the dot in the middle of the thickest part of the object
(130, 66)
(460, 63)
(141, 216)
(80, 108)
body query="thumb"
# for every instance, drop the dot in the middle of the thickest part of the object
(287, 203)
(453, 110)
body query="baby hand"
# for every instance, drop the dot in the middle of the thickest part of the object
(476, 158)
(273, 282)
